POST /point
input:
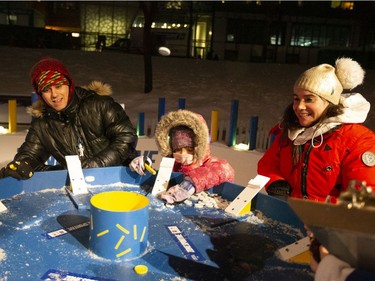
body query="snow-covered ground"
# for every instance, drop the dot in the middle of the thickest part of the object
(262, 90)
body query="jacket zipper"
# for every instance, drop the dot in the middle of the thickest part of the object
(305, 195)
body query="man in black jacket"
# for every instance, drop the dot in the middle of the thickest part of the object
(69, 120)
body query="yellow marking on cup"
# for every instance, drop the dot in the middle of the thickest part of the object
(135, 231)
(150, 169)
(143, 234)
(119, 242)
(102, 233)
(122, 229)
(124, 252)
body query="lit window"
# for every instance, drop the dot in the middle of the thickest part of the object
(347, 5)
(230, 38)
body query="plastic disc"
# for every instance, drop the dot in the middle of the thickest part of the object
(141, 269)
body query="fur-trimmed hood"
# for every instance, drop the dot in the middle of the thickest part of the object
(186, 118)
(100, 88)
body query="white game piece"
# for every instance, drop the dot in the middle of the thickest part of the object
(77, 180)
(194, 198)
(294, 249)
(209, 205)
(188, 202)
(2, 207)
(245, 197)
(164, 174)
(198, 205)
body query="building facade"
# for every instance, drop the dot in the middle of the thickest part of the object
(304, 32)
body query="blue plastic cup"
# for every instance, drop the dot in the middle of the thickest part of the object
(119, 225)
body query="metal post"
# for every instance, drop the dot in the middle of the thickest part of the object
(214, 125)
(12, 116)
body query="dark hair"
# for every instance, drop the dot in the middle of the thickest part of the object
(290, 122)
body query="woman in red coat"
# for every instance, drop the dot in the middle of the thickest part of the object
(322, 146)
(184, 135)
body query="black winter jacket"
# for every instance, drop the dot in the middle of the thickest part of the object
(95, 122)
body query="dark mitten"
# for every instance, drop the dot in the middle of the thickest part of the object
(280, 189)
(2, 173)
(314, 249)
(19, 170)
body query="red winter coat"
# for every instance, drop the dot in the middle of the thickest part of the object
(213, 171)
(206, 171)
(345, 154)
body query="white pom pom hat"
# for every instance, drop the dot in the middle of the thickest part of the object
(329, 82)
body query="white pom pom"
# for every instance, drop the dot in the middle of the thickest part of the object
(349, 72)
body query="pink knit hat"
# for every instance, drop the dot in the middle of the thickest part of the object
(181, 136)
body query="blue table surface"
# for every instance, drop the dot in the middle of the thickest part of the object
(228, 248)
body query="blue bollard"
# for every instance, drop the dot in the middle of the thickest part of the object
(253, 132)
(233, 123)
(141, 124)
(271, 139)
(181, 103)
(161, 111)
(34, 97)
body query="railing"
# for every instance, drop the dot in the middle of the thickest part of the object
(252, 134)
(229, 131)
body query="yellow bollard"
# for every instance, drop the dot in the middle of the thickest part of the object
(12, 116)
(214, 125)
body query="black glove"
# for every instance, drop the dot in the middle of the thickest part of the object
(19, 170)
(314, 249)
(280, 189)
(2, 173)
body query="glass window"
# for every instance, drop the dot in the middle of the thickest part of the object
(316, 35)
(277, 33)
(246, 31)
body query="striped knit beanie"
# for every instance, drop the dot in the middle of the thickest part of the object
(49, 72)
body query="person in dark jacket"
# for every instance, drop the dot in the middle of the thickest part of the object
(322, 145)
(69, 120)
(184, 135)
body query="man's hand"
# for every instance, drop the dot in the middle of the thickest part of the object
(20, 170)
